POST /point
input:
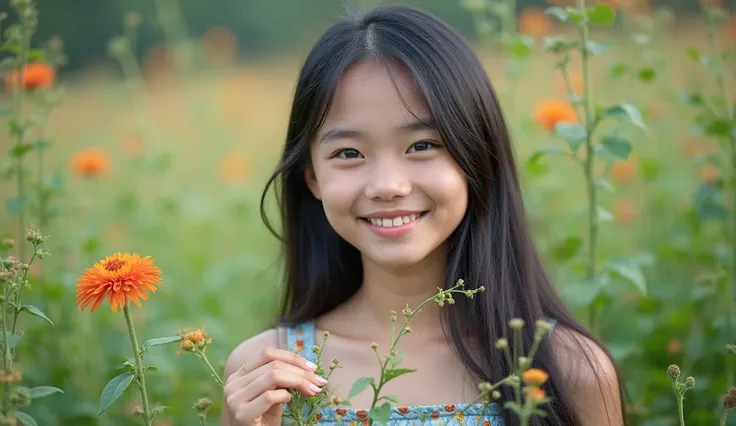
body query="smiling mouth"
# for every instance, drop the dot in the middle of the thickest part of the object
(391, 222)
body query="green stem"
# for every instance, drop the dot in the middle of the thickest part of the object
(172, 23)
(724, 416)
(18, 93)
(680, 410)
(203, 420)
(211, 368)
(138, 356)
(7, 361)
(588, 163)
(19, 295)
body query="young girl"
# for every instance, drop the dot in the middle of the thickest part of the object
(398, 178)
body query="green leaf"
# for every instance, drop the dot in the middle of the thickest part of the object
(558, 13)
(15, 128)
(581, 294)
(598, 49)
(718, 128)
(647, 74)
(360, 385)
(601, 14)
(42, 391)
(160, 341)
(521, 47)
(617, 70)
(573, 134)
(113, 390)
(129, 364)
(544, 151)
(604, 215)
(575, 15)
(614, 148)
(35, 312)
(26, 419)
(630, 272)
(391, 398)
(566, 249)
(42, 144)
(398, 358)
(626, 111)
(396, 372)
(19, 150)
(690, 98)
(12, 340)
(693, 53)
(14, 204)
(381, 413)
(604, 185)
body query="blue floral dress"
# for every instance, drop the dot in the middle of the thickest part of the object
(301, 339)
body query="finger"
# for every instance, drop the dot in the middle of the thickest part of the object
(263, 403)
(272, 354)
(277, 379)
(241, 382)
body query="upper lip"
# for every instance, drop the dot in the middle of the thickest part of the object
(392, 213)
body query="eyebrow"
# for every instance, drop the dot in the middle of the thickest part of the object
(414, 126)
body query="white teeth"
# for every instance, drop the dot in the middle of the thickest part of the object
(397, 221)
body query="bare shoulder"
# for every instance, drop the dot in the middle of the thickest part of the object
(249, 348)
(589, 376)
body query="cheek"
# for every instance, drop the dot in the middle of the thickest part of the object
(444, 182)
(338, 192)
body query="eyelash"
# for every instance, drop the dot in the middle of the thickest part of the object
(342, 151)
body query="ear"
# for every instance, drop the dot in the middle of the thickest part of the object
(311, 180)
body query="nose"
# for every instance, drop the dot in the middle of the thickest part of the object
(387, 180)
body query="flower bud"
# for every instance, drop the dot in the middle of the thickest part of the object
(502, 343)
(690, 382)
(673, 372)
(516, 323)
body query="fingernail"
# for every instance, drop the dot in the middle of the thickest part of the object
(322, 381)
(314, 388)
(310, 365)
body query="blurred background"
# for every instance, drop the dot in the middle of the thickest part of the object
(164, 118)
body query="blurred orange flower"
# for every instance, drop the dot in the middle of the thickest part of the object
(552, 111)
(90, 162)
(695, 147)
(219, 44)
(36, 75)
(624, 212)
(120, 277)
(235, 167)
(534, 22)
(709, 173)
(535, 376)
(536, 393)
(674, 346)
(623, 171)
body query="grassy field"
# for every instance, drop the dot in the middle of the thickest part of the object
(187, 158)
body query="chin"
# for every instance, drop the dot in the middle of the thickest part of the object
(403, 260)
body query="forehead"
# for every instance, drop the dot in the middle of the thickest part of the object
(376, 93)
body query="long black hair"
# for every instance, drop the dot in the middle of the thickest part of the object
(492, 246)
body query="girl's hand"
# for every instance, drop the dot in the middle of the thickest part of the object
(255, 392)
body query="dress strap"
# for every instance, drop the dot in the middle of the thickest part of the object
(300, 339)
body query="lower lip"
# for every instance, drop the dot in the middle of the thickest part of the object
(394, 231)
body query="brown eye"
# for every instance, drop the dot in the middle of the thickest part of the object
(422, 146)
(348, 154)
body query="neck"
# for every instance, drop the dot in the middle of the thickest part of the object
(391, 289)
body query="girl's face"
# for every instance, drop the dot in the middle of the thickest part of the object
(386, 181)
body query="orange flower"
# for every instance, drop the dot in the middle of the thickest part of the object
(674, 346)
(534, 376)
(552, 111)
(536, 394)
(709, 173)
(220, 45)
(623, 171)
(534, 22)
(36, 75)
(624, 212)
(235, 168)
(120, 277)
(90, 162)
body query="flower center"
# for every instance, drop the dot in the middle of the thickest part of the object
(114, 265)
